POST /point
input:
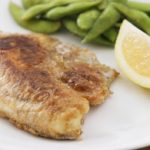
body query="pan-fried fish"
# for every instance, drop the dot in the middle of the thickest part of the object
(46, 86)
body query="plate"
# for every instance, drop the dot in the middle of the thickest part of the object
(122, 122)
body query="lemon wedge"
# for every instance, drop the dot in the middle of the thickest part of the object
(132, 52)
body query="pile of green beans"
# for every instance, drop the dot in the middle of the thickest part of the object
(96, 21)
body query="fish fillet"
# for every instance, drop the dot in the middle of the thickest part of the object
(46, 87)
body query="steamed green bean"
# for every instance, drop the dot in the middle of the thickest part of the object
(86, 19)
(111, 34)
(41, 26)
(72, 9)
(95, 21)
(73, 28)
(42, 8)
(143, 6)
(105, 21)
(139, 18)
(105, 3)
(29, 3)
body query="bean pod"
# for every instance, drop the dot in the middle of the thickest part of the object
(40, 26)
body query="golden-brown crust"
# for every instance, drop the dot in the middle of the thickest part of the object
(88, 81)
(28, 52)
(82, 78)
(2, 115)
(46, 87)
(25, 127)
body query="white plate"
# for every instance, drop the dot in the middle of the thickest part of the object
(122, 122)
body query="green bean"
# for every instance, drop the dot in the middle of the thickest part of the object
(105, 3)
(42, 8)
(29, 3)
(111, 34)
(139, 5)
(86, 19)
(118, 24)
(139, 18)
(119, 1)
(40, 26)
(102, 41)
(105, 21)
(74, 8)
(72, 27)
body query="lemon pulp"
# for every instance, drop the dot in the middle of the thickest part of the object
(136, 49)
